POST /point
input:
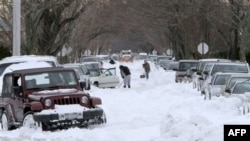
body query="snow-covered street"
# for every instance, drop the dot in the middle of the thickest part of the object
(157, 109)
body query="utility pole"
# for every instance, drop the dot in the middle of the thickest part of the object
(16, 27)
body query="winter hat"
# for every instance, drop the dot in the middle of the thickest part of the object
(121, 66)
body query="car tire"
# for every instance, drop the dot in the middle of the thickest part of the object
(4, 123)
(28, 121)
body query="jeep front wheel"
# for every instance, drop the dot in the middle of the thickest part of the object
(4, 122)
(28, 121)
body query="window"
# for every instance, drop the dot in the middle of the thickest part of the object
(7, 85)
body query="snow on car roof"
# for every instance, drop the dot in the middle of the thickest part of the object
(188, 60)
(26, 65)
(29, 58)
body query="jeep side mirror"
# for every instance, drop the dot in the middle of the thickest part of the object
(82, 84)
(17, 91)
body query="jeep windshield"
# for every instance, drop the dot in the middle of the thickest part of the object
(47, 80)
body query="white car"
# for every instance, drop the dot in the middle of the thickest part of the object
(200, 68)
(233, 79)
(232, 67)
(217, 82)
(82, 71)
(241, 90)
(104, 78)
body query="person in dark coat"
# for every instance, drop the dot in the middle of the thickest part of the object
(146, 67)
(111, 61)
(126, 75)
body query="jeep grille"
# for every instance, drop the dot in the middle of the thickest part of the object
(65, 101)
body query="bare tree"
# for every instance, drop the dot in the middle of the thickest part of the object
(48, 24)
(141, 25)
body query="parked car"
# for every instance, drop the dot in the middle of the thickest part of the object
(92, 65)
(173, 65)
(104, 58)
(183, 66)
(91, 59)
(161, 57)
(165, 63)
(202, 76)
(232, 80)
(83, 73)
(200, 67)
(141, 56)
(241, 90)
(152, 57)
(115, 57)
(33, 99)
(233, 67)
(214, 88)
(104, 78)
(190, 74)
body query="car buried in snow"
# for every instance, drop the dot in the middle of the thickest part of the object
(240, 90)
(47, 98)
(183, 66)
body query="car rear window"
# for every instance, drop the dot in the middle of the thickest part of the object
(229, 68)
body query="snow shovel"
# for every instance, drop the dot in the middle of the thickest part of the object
(120, 84)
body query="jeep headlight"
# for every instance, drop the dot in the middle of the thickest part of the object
(85, 99)
(47, 102)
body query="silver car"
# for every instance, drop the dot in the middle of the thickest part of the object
(200, 68)
(183, 66)
(214, 88)
(233, 67)
(232, 80)
(241, 90)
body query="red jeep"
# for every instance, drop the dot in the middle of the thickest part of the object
(47, 98)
